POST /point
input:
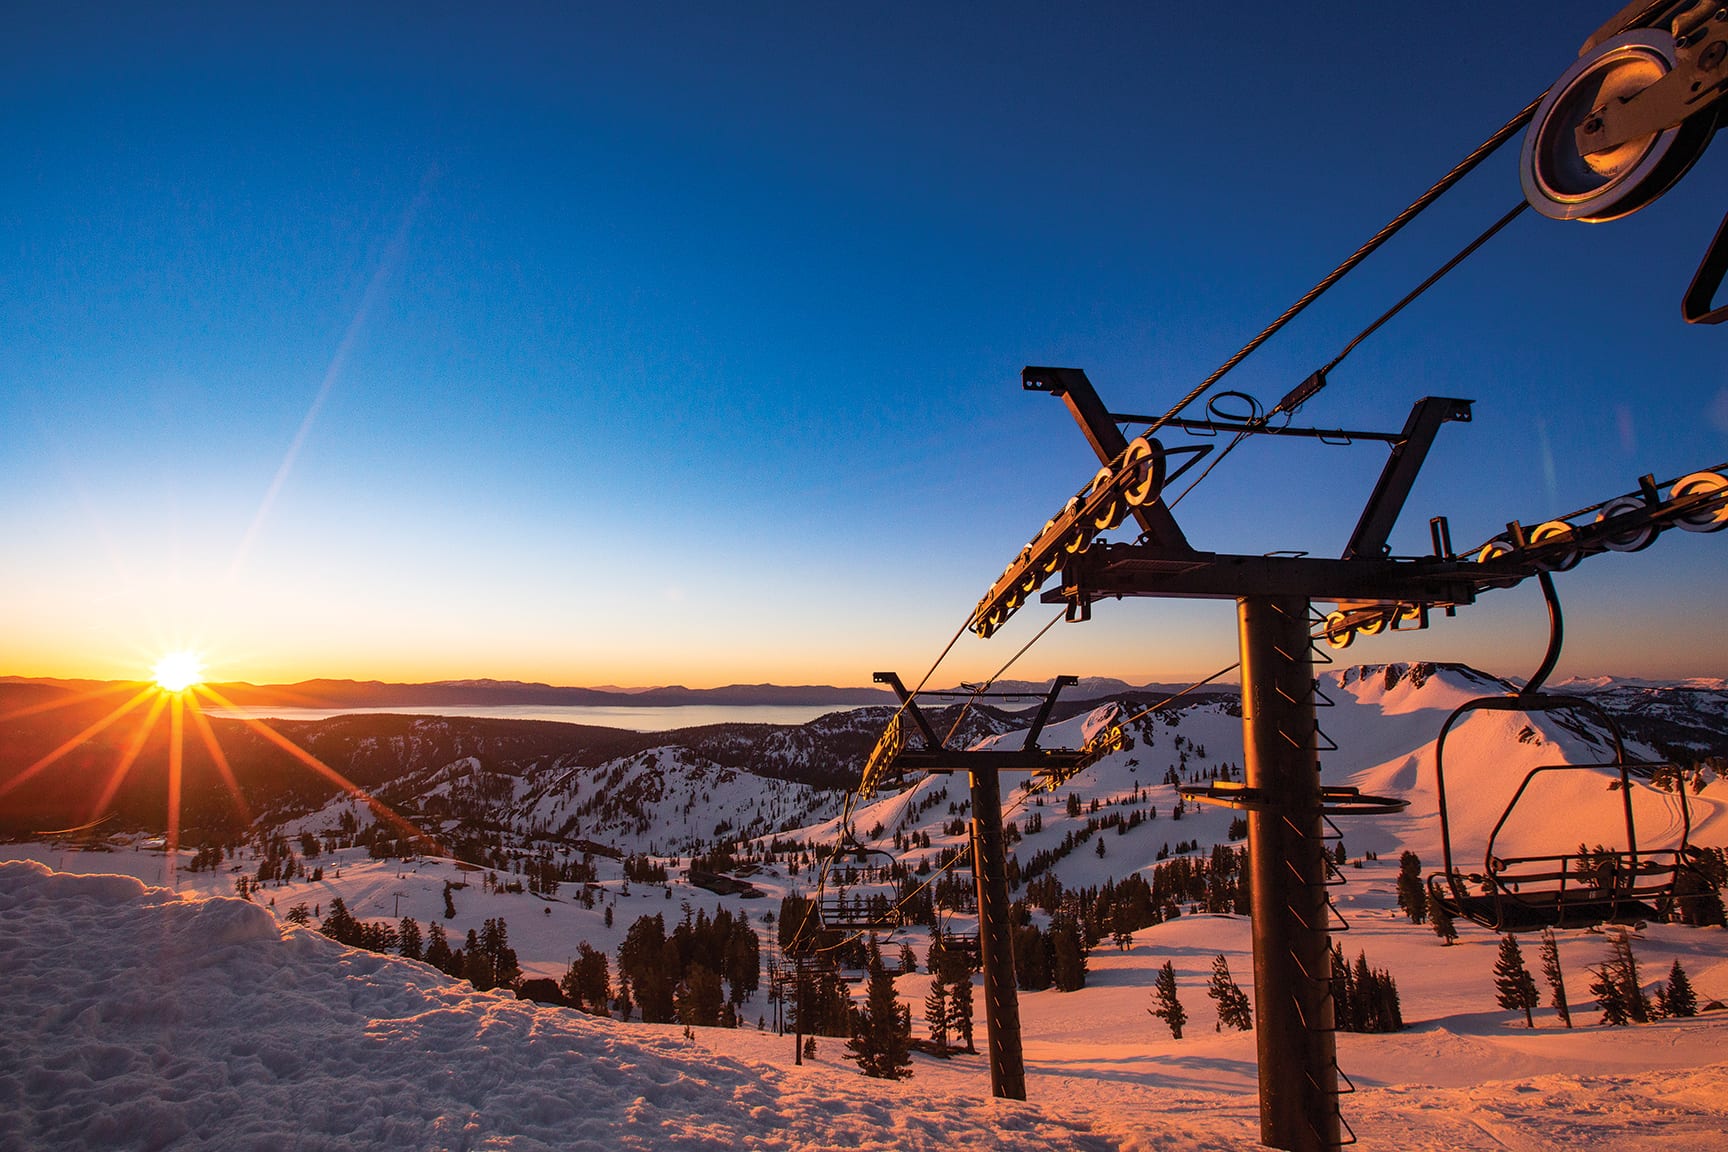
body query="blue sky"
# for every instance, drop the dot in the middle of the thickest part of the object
(682, 343)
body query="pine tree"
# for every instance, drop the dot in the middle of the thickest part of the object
(408, 938)
(1068, 948)
(1678, 998)
(1365, 999)
(1343, 989)
(340, 925)
(960, 1011)
(1032, 958)
(881, 1042)
(1626, 965)
(699, 998)
(1609, 997)
(1555, 978)
(587, 984)
(1169, 1008)
(476, 964)
(1514, 987)
(1616, 987)
(1232, 1003)
(1389, 1016)
(1412, 896)
(437, 947)
(1441, 921)
(504, 971)
(936, 1014)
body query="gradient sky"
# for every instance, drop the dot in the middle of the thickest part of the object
(681, 343)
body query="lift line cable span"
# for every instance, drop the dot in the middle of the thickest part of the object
(1632, 19)
(999, 673)
(1257, 422)
(1462, 169)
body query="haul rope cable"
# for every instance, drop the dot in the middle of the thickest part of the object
(1316, 381)
(1462, 169)
(1258, 421)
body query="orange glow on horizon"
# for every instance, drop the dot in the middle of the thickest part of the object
(177, 690)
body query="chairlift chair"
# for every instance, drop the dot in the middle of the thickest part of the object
(1529, 891)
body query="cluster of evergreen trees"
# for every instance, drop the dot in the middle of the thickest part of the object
(1048, 957)
(1214, 883)
(684, 975)
(485, 959)
(1364, 999)
(587, 985)
(948, 1005)
(1616, 985)
(881, 1040)
(1621, 996)
(1232, 1004)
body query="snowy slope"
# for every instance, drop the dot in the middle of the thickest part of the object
(138, 1019)
(143, 1027)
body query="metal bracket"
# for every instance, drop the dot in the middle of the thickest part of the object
(1691, 86)
(1335, 799)
(1695, 305)
(1399, 475)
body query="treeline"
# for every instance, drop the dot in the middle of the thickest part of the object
(1216, 883)
(485, 958)
(1056, 956)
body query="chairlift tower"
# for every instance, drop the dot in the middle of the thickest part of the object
(1618, 128)
(894, 755)
(1289, 811)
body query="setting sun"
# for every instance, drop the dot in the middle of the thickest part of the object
(178, 671)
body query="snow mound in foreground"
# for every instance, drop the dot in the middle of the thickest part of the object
(138, 1019)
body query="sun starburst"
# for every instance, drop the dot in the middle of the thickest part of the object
(178, 671)
(177, 689)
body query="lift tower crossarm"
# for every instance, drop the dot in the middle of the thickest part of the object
(937, 757)
(1399, 474)
(1074, 389)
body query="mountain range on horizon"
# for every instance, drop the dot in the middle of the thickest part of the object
(325, 693)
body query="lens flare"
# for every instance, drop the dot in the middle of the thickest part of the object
(178, 671)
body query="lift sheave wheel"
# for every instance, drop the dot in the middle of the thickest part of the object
(1563, 183)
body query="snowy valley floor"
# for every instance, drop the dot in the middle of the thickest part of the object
(138, 1019)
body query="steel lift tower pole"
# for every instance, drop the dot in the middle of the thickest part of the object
(1293, 1015)
(1001, 998)
(1281, 789)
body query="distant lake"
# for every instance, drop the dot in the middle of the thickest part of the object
(648, 719)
